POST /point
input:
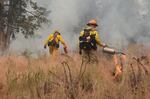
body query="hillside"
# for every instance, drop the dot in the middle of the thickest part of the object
(23, 77)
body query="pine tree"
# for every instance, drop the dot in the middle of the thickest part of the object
(19, 16)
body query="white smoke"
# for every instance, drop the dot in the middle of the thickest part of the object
(120, 21)
(124, 20)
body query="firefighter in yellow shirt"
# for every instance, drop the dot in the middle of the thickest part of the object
(53, 43)
(89, 37)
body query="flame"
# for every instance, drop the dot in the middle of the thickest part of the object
(118, 66)
(115, 59)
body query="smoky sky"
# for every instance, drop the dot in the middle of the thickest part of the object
(121, 22)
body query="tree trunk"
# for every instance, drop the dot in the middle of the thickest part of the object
(4, 38)
(3, 41)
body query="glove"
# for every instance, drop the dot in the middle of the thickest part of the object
(65, 50)
(104, 45)
(80, 52)
(44, 46)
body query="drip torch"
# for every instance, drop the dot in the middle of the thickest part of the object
(111, 51)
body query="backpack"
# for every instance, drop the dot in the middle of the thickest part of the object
(53, 42)
(87, 44)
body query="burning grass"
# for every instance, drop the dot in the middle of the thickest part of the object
(72, 77)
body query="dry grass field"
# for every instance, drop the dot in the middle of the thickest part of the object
(72, 77)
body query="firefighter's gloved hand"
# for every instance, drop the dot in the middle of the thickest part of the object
(104, 45)
(44, 46)
(80, 52)
(65, 49)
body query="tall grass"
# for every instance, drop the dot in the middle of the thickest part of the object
(77, 79)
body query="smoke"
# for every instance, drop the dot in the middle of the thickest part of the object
(125, 21)
(121, 22)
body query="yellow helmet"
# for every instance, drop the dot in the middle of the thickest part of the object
(92, 22)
